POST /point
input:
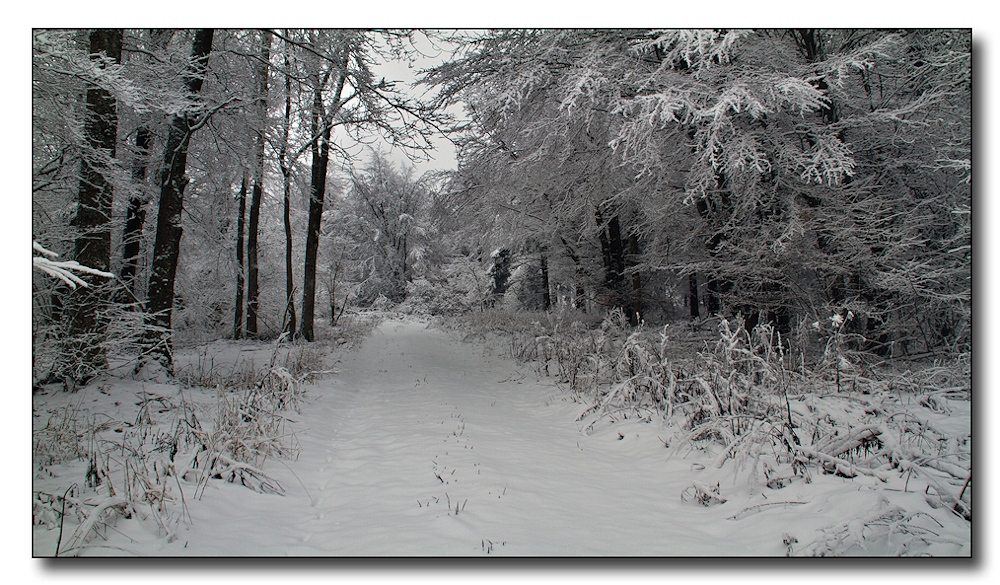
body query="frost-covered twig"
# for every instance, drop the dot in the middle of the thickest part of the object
(750, 511)
(63, 269)
(117, 505)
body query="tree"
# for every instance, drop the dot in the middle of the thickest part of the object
(756, 158)
(240, 258)
(256, 190)
(135, 217)
(93, 217)
(173, 181)
(321, 126)
(285, 166)
(393, 208)
(345, 94)
(141, 64)
(544, 162)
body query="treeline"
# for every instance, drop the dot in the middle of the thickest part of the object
(223, 179)
(226, 137)
(785, 175)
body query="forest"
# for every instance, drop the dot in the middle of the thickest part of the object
(757, 242)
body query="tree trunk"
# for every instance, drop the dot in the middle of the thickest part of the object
(613, 253)
(715, 285)
(546, 296)
(633, 260)
(166, 247)
(579, 295)
(258, 187)
(317, 192)
(402, 263)
(289, 274)
(93, 217)
(321, 128)
(284, 165)
(693, 295)
(500, 271)
(135, 215)
(240, 225)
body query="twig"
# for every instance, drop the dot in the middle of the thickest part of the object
(760, 508)
(62, 517)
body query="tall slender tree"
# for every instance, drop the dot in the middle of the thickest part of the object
(285, 166)
(347, 94)
(135, 214)
(173, 181)
(153, 42)
(257, 190)
(240, 258)
(325, 106)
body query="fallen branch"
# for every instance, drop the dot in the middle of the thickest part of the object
(761, 507)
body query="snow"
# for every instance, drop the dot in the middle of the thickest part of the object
(423, 445)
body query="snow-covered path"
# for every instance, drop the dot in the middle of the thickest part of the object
(423, 445)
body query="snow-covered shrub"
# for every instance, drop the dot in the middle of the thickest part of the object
(424, 297)
(741, 379)
(144, 465)
(379, 292)
(57, 355)
(129, 472)
(60, 440)
(352, 328)
(528, 285)
(776, 425)
(248, 427)
(885, 529)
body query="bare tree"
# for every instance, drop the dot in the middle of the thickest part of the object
(173, 181)
(257, 188)
(93, 217)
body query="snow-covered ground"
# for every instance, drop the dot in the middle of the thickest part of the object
(421, 444)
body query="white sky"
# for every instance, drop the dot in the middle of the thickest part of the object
(430, 55)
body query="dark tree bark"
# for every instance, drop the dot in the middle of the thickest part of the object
(135, 215)
(546, 296)
(317, 192)
(633, 260)
(617, 251)
(322, 124)
(284, 166)
(693, 295)
(173, 181)
(289, 275)
(240, 259)
(501, 275)
(93, 217)
(613, 251)
(258, 186)
(579, 294)
(715, 285)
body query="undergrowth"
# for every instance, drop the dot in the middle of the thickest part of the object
(147, 467)
(772, 415)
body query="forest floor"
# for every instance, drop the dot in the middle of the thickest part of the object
(422, 444)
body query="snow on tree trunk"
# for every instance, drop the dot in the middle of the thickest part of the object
(93, 218)
(166, 246)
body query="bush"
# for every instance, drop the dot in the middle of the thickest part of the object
(772, 421)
